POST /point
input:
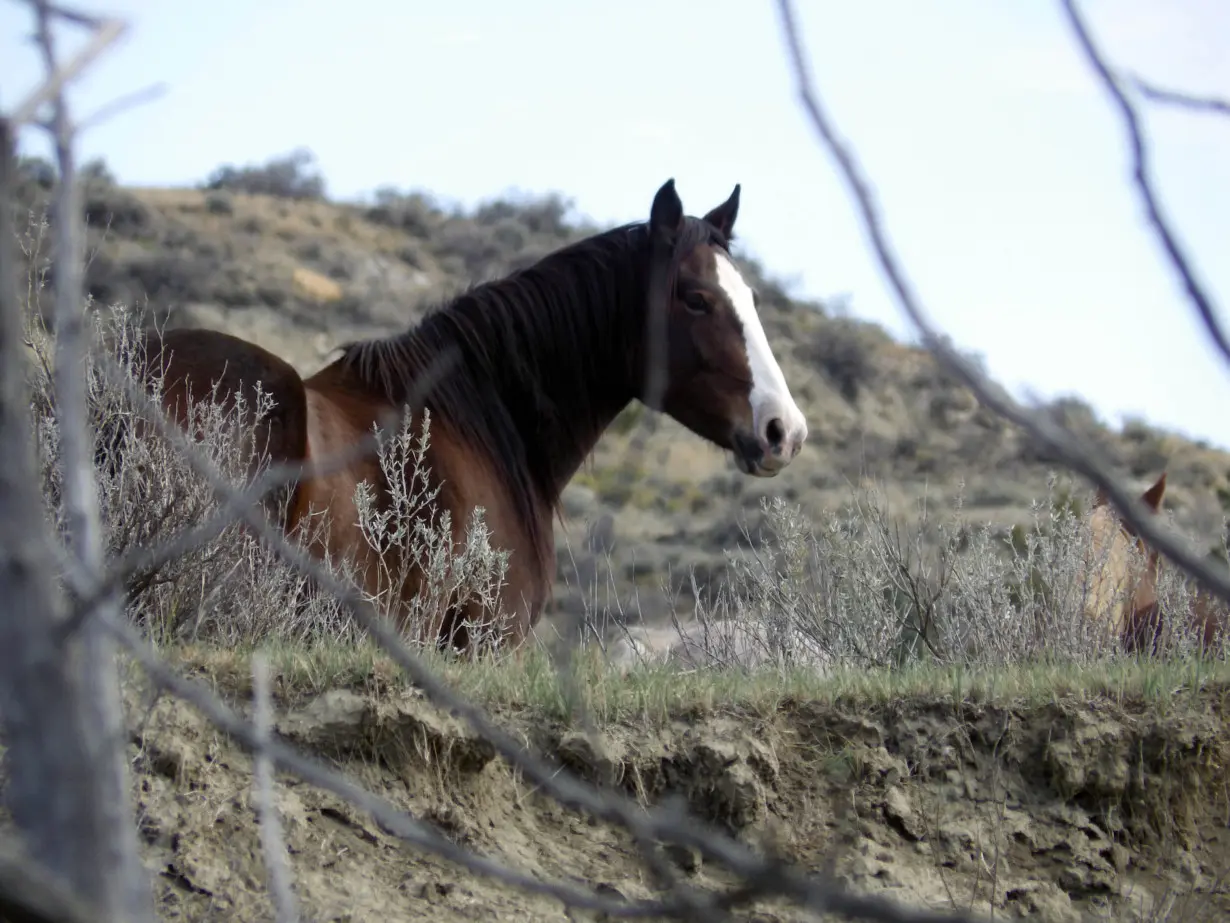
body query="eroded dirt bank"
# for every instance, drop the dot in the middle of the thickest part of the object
(1073, 810)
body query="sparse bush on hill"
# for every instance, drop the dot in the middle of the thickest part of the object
(288, 176)
(547, 215)
(37, 180)
(416, 213)
(844, 351)
(859, 588)
(109, 210)
(503, 234)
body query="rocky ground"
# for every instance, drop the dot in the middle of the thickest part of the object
(1086, 807)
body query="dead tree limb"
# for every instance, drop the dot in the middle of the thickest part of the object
(69, 789)
(1180, 100)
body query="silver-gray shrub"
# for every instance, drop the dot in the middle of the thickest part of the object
(862, 588)
(234, 590)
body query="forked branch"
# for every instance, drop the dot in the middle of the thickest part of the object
(1179, 261)
(1208, 104)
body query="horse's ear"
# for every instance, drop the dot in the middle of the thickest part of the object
(666, 214)
(1153, 496)
(723, 217)
(1101, 498)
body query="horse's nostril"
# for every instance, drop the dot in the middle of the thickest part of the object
(775, 433)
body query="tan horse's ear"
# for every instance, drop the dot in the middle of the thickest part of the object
(1153, 496)
(1101, 498)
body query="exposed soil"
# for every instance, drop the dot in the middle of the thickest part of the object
(1069, 811)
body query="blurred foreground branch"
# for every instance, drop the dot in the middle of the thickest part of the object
(28, 894)
(67, 788)
(1208, 104)
(1144, 181)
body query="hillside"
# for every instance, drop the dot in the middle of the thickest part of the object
(266, 256)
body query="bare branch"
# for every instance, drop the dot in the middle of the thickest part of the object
(1180, 99)
(126, 890)
(1144, 182)
(108, 32)
(272, 842)
(1075, 454)
(123, 104)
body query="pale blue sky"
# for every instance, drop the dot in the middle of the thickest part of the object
(996, 157)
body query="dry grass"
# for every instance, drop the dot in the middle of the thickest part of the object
(655, 695)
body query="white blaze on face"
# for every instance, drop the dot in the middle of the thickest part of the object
(770, 395)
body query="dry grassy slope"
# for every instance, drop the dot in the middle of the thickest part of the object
(300, 277)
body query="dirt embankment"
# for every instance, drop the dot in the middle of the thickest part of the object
(1073, 810)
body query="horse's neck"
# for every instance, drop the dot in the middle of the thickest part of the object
(565, 379)
(568, 456)
(561, 418)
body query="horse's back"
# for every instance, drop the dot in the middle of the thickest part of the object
(195, 361)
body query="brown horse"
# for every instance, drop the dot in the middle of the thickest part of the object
(545, 359)
(1126, 598)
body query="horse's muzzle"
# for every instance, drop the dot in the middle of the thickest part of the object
(764, 457)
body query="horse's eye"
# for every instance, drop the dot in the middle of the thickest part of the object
(697, 303)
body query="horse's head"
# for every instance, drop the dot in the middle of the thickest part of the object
(1119, 593)
(1110, 526)
(721, 379)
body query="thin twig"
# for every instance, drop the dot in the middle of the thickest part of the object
(1144, 183)
(1181, 100)
(122, 104)
(273, 843)
(1064, 445)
